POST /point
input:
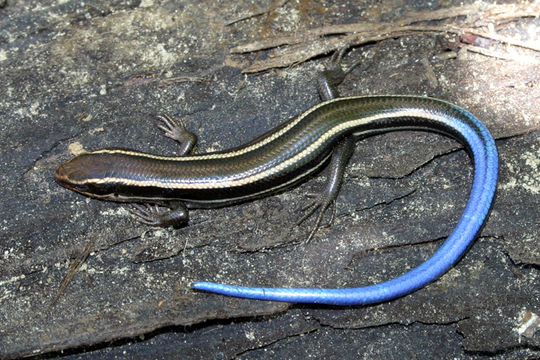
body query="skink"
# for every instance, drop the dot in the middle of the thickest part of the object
(284, 157)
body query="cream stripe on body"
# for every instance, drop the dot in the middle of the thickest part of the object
(222, 201)
(227, 154)
(227, 183)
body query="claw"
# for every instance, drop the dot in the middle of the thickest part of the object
(310, 212)
(172, 129)
(334, 63)
(335, 60)
(160, 216)
(147, 214)
(341, 155)
(176, 130)
(320, 205)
